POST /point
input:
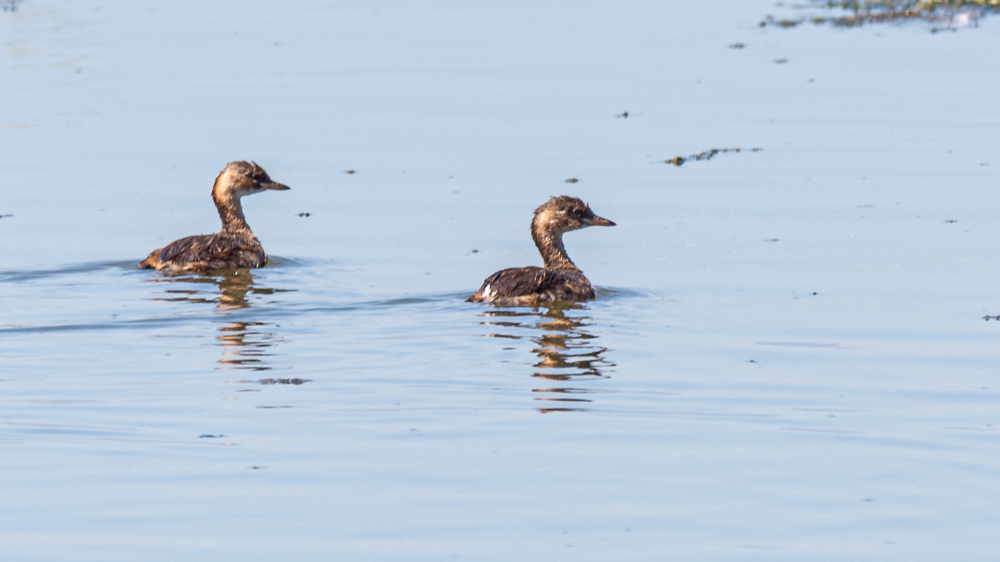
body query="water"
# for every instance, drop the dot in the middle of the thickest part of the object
(788, 358)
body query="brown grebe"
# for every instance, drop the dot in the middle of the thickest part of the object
(558, 279)
(235, 247)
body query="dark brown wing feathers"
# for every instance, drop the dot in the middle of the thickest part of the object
(207, 252)
(534, 284)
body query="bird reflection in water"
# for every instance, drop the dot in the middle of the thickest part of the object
(567, 352)
(245, 343)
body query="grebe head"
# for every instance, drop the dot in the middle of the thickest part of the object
(243, 178)
(564, 213)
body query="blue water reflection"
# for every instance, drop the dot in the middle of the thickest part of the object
(566, 348)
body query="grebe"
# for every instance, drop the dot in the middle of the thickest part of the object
(235, 247)
(558, 279)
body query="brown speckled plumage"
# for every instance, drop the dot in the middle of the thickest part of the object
(235, 247)
(559, 279)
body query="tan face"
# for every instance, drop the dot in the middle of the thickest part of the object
(568, 213)
(246, 178)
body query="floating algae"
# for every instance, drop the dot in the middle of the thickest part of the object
(707, 155)
(943, 15)
(295, 381)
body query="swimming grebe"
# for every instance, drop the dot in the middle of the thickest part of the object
(558, 279)
(235, 247)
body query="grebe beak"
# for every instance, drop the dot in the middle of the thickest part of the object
(598, 221)
(275, 186)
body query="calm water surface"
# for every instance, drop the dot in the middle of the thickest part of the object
(788, 358)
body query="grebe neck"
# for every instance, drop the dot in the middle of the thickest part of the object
(231, 213)
(550, 245)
